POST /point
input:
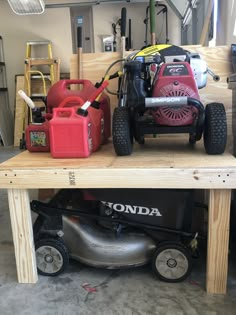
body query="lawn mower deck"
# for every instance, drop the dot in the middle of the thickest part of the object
(115, 229)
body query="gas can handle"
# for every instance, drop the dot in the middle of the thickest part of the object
(58, 112)
(68, 99)
(85, 83)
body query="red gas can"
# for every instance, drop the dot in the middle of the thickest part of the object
(37, 137)
(73, 135)
(61, 91)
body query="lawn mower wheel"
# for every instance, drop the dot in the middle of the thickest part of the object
(172, 262)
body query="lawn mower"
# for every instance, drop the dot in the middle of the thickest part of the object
(115, 229)
(159, 94)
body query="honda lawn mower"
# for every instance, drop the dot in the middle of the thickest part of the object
(159, 95)
(115, 229)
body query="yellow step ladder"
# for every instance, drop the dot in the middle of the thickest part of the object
(36, 61)
(40, 73)
(31, 44)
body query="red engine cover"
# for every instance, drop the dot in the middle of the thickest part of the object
(175, 79)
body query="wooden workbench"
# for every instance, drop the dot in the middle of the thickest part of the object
(161, 163)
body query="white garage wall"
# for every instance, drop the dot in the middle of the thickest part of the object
(16, 30)
(231, 22)
(105, 15)
(55, 25)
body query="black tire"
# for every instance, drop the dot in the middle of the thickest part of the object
(121, 132)
(52, 256)
(172, 262)
(215, 129)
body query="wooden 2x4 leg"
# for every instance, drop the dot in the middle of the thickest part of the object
(21, 224)
(218, 240)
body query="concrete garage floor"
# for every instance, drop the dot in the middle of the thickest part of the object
(126, 292)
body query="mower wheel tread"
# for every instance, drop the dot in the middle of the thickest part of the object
(215, 129)
(56, 250)
(121, 132)
(172, 261)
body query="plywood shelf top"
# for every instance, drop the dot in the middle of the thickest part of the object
(160, 163)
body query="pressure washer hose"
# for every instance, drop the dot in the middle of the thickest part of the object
(108, 70)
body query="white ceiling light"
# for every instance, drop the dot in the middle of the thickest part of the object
(24, 7)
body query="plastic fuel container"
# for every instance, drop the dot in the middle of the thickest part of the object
(73, 135)
(37, 137)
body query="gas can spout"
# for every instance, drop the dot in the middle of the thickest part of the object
(37, 114)
(95, 96)
(27, 99)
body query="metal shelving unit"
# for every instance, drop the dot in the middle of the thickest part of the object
(6, 117)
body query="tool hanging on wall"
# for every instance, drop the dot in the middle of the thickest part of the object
(152, 22)
(80, 51)
(128, 45)
(164, 10)
(114, 28)
(123, 30)
(122, 24)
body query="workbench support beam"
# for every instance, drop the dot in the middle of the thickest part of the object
(218, 240)
(21, 224)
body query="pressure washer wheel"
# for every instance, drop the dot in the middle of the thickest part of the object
(121, 131)
(172, 262)
(215, 128)
(52, 256)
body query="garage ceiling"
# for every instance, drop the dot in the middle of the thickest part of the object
(179, 6)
